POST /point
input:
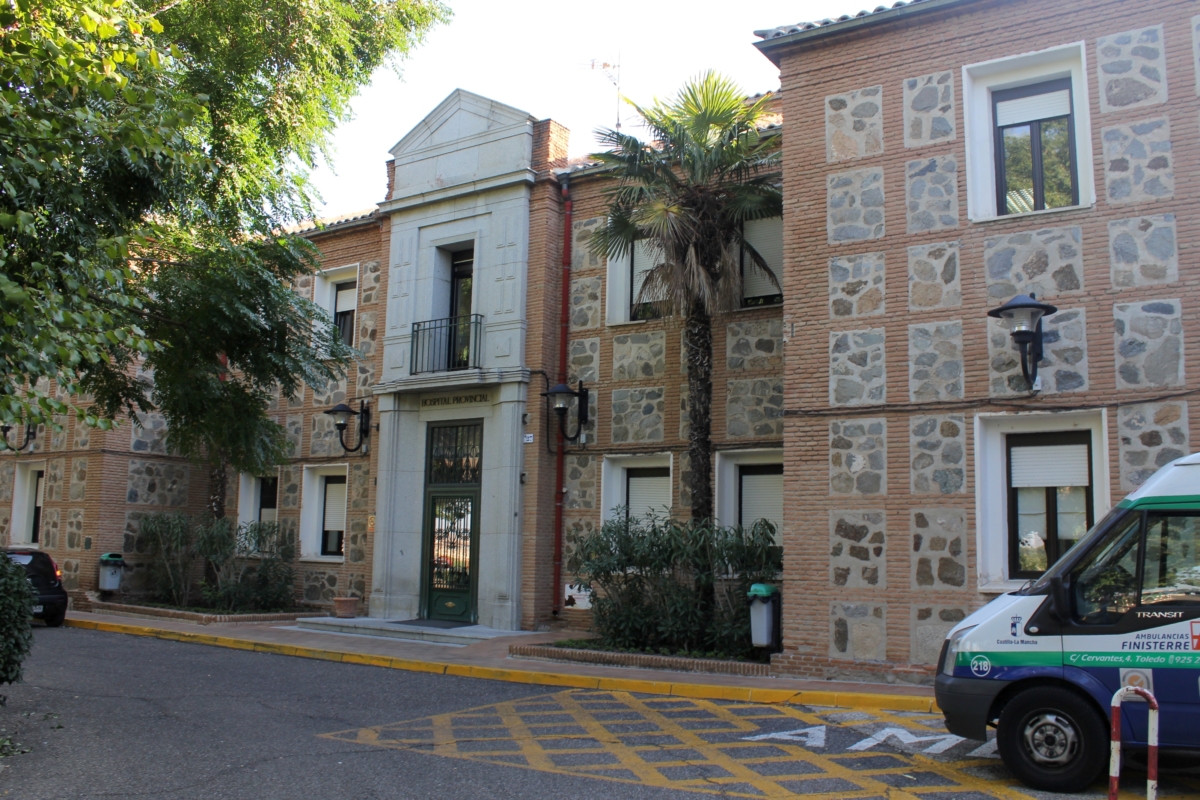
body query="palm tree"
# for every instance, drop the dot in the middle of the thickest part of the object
(685, 194)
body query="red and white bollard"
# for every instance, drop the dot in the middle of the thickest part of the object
(1114, 764)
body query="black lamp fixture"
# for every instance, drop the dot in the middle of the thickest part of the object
(560, 397)
(342, 413)
(1023, 316)
(30, 435)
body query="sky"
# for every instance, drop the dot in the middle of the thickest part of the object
(537, 55)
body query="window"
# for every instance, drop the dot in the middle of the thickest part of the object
(345, 304)
(1172, 572)
(268, 499)
(1105, 584)
(462, 268)
(760, 495)
(1049, 498)
(647, 491)
(39, 497)
(1035, 147)
(1027, 125)
(639, 267)
(766, 237)
(333, 527)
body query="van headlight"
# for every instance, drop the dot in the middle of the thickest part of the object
(953, 645)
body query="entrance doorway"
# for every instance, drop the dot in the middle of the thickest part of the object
(452, 492)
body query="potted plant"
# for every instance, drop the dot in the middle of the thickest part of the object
(345, 606)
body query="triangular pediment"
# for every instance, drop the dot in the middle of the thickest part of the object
(462, 116)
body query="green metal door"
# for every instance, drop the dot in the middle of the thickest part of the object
(452, 481)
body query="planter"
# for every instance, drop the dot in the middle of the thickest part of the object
(345, 607)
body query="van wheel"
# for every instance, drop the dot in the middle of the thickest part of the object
(1052, 739)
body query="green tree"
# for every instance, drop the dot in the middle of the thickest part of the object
(149, 161)
(687, 191)
(16, 610)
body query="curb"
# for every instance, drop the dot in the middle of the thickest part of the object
(862, 700)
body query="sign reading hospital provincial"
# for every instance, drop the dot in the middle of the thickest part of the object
(450, 400)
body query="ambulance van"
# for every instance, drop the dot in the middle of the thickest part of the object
(1121, 608)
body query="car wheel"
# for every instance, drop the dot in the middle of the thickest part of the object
(56, 620)
(1052, 739)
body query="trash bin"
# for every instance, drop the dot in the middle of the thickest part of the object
(111, 566)
(764, 614)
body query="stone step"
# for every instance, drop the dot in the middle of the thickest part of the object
(405, 629)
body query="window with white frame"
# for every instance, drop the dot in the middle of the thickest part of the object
(642, 305)
(258, 498)
(323, 503)
(639, 484)
(1041, 480)
(1028, 133)
(29, 493)
(345, 306)
(766, 237)
(333, 514)
(760, 495)
(336, 291)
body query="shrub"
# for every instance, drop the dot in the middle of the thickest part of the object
(661, 584)
(173, 545)
(16, 611)
(252, 564)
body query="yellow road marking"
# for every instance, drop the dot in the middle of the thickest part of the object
(691, 744)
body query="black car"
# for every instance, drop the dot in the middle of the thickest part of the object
(51, 603)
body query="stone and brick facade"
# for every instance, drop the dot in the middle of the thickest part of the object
(899, 390)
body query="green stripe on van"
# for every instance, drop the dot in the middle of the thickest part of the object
(1092, 660)
(1014, 658)
(1183, 502)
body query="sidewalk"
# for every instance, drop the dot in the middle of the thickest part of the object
(489, 660)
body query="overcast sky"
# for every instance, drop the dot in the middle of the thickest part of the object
(536, 55)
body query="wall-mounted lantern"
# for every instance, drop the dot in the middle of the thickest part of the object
(342, 413)
(1023, 316)
(30, 435)
(560, 398)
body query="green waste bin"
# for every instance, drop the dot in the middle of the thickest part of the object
(764, 614)
(111, 567)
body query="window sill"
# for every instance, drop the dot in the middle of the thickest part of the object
(770, 306)
(323, 559)
(626, 322)
(1027, 214)
(1002, 586)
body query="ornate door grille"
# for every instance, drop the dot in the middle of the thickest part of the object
(452, 479)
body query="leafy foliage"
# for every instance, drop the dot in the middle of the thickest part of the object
(16, 611)
(172, 541)
(253, 566)
(150, 163)
(686, 193)
(662, 585)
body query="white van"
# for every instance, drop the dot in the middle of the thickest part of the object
(1121, 608)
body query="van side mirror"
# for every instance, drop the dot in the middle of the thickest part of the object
(1058, 596)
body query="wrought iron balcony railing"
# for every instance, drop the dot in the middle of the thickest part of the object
(444, 345)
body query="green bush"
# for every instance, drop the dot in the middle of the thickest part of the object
(252, 564)
(16, 611)
(174, 548)
(662, 585)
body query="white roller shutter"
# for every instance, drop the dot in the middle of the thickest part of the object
(1049, 465)
(335, 506)
(1028, 109)
(347, 298)
(765, 236)
(762, 498)
(648, 494)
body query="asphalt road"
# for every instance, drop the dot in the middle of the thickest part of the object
(104, 715)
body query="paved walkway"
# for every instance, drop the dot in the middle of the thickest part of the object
(489, 659)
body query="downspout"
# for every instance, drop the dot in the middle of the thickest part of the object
(564, 326)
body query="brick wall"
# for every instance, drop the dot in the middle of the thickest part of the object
(837, 624)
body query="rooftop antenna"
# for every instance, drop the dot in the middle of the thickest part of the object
(613, 73)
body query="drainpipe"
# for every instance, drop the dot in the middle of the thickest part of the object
(563, 329)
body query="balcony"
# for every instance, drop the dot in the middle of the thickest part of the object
(446, 345)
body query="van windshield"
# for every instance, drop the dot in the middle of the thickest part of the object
(1061, 566)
